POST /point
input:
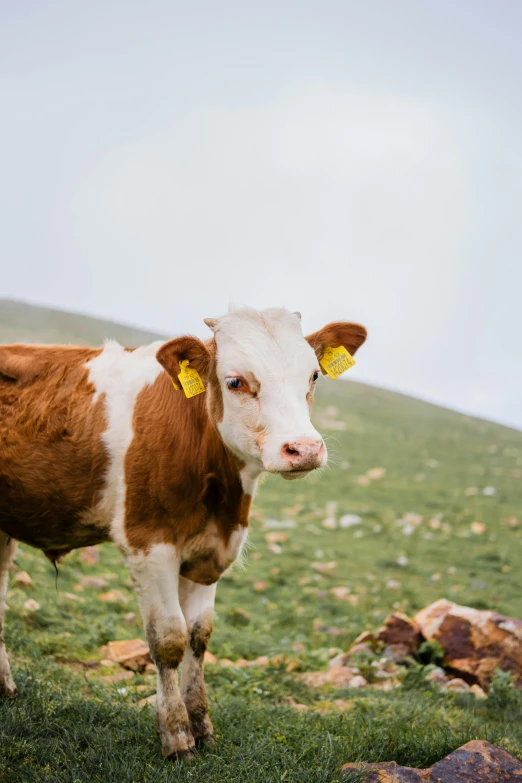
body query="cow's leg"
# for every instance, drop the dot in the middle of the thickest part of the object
(7, 552)
(197, 603)
(156, 579)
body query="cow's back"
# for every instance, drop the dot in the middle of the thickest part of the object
(52, 457)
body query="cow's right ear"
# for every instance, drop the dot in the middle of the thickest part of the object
(185, 348)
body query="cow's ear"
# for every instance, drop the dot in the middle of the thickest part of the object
(335, 334)
(199, 356)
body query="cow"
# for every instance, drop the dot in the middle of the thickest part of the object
(100, 444)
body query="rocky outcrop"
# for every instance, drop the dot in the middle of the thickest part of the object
(475, 762)
(475, 642)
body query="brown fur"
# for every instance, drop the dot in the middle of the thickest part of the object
(180, 476)
(52, 458)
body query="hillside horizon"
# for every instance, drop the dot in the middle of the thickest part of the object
(26, 322)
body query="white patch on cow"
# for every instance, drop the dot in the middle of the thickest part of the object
(269, 345)
(249, 476)
(236, 543)
(119, 375)
(155, 576)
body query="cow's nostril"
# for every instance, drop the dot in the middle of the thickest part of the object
(291, 451)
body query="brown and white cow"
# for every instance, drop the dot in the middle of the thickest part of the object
(96, 445)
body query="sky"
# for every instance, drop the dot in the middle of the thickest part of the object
(351, 160)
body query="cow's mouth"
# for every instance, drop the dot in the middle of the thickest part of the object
(290, 475)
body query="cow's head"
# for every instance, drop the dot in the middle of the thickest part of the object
(260, 374)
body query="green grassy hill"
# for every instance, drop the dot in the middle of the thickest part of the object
(25, 323)
(441, 518)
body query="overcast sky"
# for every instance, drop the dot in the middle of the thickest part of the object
(352, 160)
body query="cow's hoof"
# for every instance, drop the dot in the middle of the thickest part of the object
(8, 690)
(205, 739)
(183, 755)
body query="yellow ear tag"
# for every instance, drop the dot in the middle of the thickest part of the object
(190, 380)
(336, 361)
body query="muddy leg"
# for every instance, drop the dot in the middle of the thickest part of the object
(7, 552)
(156, 579)
(197, 603)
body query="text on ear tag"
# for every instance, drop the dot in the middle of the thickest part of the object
(336, 361)
(190, 380)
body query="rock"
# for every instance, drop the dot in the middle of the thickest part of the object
(276, 538)
(131, 654)
(73, 597)
(291, 667)
(458, 686)
(475, 642)
(149, 700)
(295, 705)
(340, 592)
(476, 761)
(97, 582)
(130, 617)
(209, 658)
(397, 653)
(22, 578)
(366, 637)
(350, 520)
(31, 605)
(113, 597)
(341, 659)
(357, 682)
(438, 677)
(260, 587)
(340, 676)
(125, 675)
(477, 690)
(90, 555)
(399, 629)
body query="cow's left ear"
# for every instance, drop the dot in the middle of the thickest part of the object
(185, 348)
(335, 334)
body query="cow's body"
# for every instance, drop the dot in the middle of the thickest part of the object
(96, 445)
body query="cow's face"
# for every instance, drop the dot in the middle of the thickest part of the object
(261, 374)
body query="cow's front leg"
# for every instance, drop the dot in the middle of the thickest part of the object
(156, 578)
(197, 603)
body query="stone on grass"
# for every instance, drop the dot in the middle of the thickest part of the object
(475, 762)
(113, 597)
(31, 605)
(90, 555)
(477, 690)
(96, 582)
(148, 700)
(358, 681)
(341, 676)
(124, 675)
(295, 705)
(475, 642)
(398, 653)
(209, 658)
(399, 629)
(22, 578)
(131, 654)
(458, 686)
(438, 677)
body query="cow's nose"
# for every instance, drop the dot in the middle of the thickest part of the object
(303, 454)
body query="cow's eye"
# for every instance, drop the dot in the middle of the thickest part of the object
(315, 376)
(234, 383)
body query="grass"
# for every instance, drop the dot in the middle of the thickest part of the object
(71, 726)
